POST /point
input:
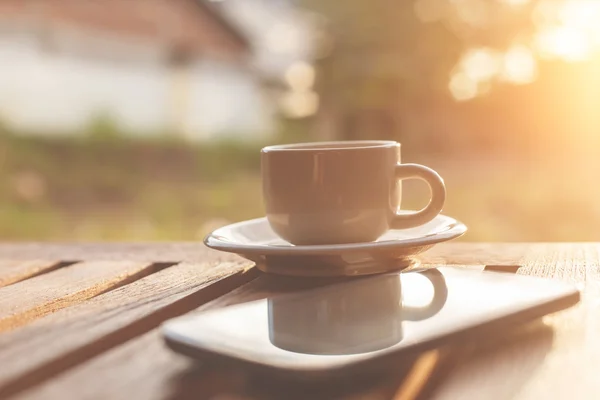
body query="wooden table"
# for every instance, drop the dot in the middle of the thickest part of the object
(80, 321)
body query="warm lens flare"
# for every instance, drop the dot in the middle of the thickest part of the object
(566, 43)
(478, 67)
(567, 30)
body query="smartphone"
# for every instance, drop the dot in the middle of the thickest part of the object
(365, 324)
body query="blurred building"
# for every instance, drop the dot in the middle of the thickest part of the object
(286, 40)
(174, 67)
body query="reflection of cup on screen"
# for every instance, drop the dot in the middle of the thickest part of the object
(355, 317)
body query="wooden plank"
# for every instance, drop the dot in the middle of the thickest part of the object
(27, 300)
(554, 364)
(12, 271)
(144, 368)
(186, 379)
(464, 253)
(85, 330)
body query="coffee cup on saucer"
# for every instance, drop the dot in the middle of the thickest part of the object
(341, 192)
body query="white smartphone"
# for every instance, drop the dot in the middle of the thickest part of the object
(364, 324)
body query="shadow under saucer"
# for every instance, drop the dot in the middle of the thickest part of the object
(335, 265)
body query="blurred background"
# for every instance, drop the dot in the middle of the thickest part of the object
(142, 119)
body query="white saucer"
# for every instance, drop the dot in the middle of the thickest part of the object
(396, 249)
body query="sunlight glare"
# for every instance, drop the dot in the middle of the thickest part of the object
(568, 30)
(584, 16)
(570, 44)
(519, 65)
(481, 64)
(581, 13)
(462, 87)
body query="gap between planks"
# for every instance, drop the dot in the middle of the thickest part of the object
(83, 331)
(13, 271)
(33, 298)
(144, 368)
(86, 330)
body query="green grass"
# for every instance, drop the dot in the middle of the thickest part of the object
(121, 190)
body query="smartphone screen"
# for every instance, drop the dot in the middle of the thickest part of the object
(365, 319)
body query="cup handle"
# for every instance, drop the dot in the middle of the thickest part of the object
(436, 203)
(440, 295)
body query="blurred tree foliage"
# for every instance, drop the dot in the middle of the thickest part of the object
(387, 70)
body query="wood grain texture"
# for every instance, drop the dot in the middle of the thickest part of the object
(12, 271)
(82, 331)
(189, 380)
(461, 253)
(33, 298)
(557, 364)
(144, 368)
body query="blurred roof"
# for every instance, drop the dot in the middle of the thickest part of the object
(192, 26)
(227, 25)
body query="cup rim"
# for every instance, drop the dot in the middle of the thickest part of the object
(339, 145)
